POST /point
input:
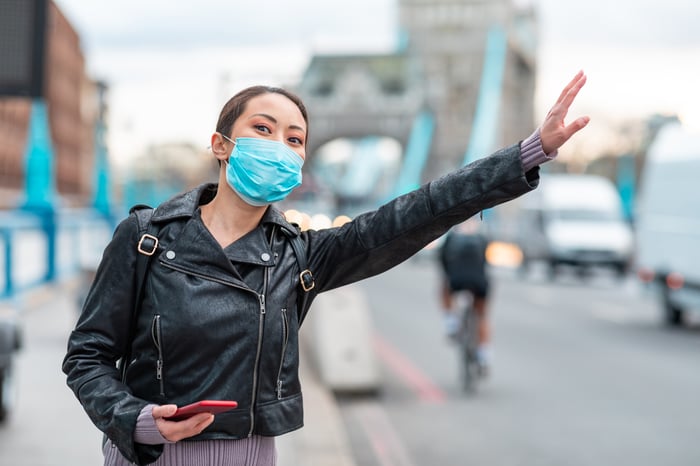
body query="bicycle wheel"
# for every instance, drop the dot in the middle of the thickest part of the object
(468, 350)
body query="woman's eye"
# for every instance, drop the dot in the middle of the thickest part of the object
(295, 140)
(262, 128)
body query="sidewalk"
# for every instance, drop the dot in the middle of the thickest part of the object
(48, 427)
(323, 440)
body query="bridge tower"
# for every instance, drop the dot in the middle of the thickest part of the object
(449, 39)
(437, 69)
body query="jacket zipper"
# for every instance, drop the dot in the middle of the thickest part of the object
(206, 277)
(254, 395)
(157, 339)
(258, 351)
(285, 338)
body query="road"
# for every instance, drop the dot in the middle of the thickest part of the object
(584, 374)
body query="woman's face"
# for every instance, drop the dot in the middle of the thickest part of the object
(275, 117)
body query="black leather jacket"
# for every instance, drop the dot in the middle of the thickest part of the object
(222, 323)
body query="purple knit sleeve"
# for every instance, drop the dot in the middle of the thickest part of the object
(147, 431)
(531, 152)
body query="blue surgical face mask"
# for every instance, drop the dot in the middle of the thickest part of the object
(262, 171)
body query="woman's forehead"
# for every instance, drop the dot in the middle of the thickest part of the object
(276, 105)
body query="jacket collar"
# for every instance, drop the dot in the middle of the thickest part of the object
(184, 206)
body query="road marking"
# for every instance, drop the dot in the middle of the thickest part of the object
(407, 371)
(386, 444)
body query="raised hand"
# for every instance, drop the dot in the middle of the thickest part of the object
(554, 132)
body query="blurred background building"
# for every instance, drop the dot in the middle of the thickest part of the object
(71, 98)
(38, 38)
(459, 84)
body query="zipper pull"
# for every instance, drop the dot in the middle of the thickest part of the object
(262, 304)
(159, 369)
(279, 389)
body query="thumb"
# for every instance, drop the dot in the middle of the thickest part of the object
(164, 411)
(576, 126)
(555, 141)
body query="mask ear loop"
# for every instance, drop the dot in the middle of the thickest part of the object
(228, 138)
(231, 141)
(210, 147)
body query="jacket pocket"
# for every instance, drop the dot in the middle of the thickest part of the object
(285, 340)
(156, 334)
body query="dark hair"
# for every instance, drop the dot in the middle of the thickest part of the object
(236, 106)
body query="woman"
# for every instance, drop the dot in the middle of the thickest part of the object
(220, 310)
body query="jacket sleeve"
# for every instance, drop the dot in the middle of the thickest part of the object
(100, 339)
(379, 240)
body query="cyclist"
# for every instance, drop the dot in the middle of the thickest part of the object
(463, 260)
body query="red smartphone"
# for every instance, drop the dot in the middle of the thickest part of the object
(204, 406)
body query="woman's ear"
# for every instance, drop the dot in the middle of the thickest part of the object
(219, 147)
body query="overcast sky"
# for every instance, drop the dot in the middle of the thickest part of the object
(171, 65)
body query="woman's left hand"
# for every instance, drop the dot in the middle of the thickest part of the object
(554, 132)
(175, 431)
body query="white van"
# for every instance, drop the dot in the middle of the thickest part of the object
(668, 221)
(574, 220)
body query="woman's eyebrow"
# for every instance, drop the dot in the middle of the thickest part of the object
(274, 120)
(264, 115)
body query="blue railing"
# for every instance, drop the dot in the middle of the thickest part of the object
(41, 241)
(41, 247)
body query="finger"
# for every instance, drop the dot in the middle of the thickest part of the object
(559, 111)
(195, 424)
(164, 411)
(204, 423)
(576, 126)
(178, 430)
(568, 87)
(573, 92)
(193, 421)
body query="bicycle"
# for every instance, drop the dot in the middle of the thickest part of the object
(467, 339)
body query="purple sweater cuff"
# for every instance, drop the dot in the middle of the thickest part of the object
(147, 432)
(531, 152)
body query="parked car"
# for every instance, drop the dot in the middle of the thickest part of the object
(10, 343)
(574, 220)
(668, 222)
